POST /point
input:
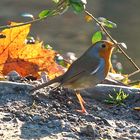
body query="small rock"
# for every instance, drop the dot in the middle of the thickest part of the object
(1, 134)
(22, 117)
(7, 118)
(72, 118)
(56, 104)
(92, 118)
(89, 131)
(119, 130)
(70, 135)
(53, 136)
(36, 118)
(13, 76)
(131, 137)
(133, 129)
(120, 124)
(66, 126)
(109, 122)
(107, 136)
(125, 138)
(138, 137)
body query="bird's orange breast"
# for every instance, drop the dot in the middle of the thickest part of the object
(106, 55)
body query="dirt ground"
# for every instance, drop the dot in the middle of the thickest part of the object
(52, 115)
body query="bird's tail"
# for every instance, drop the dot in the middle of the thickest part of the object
(55, 80)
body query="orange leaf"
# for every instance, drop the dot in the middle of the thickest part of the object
(88, 18)
(24, 58)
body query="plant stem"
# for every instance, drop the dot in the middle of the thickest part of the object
(133, 73)
(56, 9)
(117, 45)
(21, 24)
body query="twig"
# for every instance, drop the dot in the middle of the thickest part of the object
(117, 45)
(133, 73)
(57, 8)
(134, 82)
(21, 24)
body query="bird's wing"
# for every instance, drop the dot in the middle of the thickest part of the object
(80, 67)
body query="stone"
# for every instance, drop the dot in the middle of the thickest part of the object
(119, 130)
(88, 131)
(133, 129)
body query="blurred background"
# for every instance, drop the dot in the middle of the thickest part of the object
(71, 33)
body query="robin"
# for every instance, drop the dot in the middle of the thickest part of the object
(87, 71)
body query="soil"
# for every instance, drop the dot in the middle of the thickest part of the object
(52, 114)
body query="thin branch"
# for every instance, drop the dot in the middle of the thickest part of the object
(117, 45)
(54, 12)
(21, 24)
(133, 73)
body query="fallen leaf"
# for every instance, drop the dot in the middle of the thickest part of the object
(26, 59)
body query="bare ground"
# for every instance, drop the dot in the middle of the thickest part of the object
(52, 115)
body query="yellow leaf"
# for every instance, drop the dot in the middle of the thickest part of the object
(26, 59)
(88, 18)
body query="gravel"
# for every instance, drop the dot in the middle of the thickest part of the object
(53, 115)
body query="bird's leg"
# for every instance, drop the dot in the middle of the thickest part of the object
(81, 101)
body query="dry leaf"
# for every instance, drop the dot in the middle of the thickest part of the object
(88, 18)
(24, 58)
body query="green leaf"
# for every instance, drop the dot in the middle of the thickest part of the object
(48, 47)
(97, 37)
(77, 7)
(79, 1)
(44, 13)
(56, 1)
(107, 23)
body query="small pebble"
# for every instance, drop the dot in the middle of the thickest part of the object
(119, 130)
(133, 129)
(71, 135)
(125, 138)
(89, 131)
(120, 124)
(109, 122)
(13, 76)
(131, 137)
(107, 136)
(36, 118)
(7, 118)
(138, 137)
(72, 118)
(56, 104)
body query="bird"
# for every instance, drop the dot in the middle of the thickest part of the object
(87, 71)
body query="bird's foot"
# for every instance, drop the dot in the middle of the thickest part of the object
(83, 111)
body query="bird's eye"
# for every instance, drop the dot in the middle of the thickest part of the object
(103, 45)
